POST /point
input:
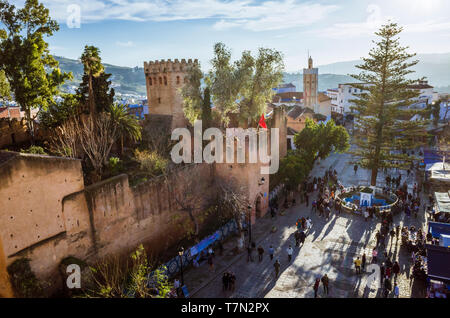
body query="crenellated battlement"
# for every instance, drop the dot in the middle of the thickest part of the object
(163, 66)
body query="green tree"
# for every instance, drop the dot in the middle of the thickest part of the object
(94, 88)
(382, 108)
(31, 71)
(244, 86)
(295, 168)
(127, 124)
(193, 95)
(4, 86)
(60, 111)
(320, 139)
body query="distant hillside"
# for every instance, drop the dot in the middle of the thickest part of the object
(128, 80)
(435, 67)
(325, 80)
(125, 80)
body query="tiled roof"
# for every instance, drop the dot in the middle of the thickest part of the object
(322, 97)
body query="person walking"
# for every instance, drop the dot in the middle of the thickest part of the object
(355, 167)
(396, 290)
(231, 281)
(271, 251)
(225, 281)
(363, 261)
(325, 282)
(308, 223)
(290, 251)
(358, 265)
(382, 271)
(316, 287)
(302, 237)
(387, 287)
(374, 255)
(249, 254)
(277, 266)
(260, 253)
(396, 269)
(297, 238)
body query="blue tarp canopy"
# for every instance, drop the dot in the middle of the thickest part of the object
(438, 259)
(437, 228)
(431, 156)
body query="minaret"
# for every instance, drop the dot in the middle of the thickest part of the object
(310, 84)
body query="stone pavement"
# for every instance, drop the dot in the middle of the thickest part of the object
(330, 247)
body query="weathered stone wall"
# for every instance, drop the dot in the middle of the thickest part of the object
(12, 131)
(47, 215)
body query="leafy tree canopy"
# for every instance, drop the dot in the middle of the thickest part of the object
(320, 139)
(32, 72)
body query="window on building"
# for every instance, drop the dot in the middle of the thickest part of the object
(349, 90)
(160, 81)
(159, 100)
(178, 80)
(165, 80)
(150, 81)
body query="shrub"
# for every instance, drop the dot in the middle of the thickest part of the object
(36, 150)
(115, 165)
(151, 162)
(23, 280)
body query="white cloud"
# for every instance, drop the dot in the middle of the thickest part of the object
(125, 44)
(249, 14)
(375, 19)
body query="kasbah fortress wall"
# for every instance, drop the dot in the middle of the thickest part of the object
(47, 214)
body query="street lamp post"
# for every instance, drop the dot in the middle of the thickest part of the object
(249, 224)
(180, 253)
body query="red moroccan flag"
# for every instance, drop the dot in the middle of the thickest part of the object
(262, 122)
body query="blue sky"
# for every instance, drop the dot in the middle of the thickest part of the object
(129, 32)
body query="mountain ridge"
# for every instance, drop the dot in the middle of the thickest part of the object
(131, 80)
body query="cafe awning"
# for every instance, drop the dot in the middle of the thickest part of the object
(438, 263)
(442, 202)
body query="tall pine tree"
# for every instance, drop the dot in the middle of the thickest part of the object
(382, 110)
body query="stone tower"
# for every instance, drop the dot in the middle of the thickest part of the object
(164, 81)
(310, 84)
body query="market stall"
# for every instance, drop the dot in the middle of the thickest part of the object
(438, 271)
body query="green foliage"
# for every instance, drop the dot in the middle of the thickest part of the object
(128, 124)
(382, 112)
(244, 86)
(192, 94)
(151, 163)
(31, 71)
(59, 112)
(115, 165)
(4, 86)
(37, 150)
(116, 279)
(23, 280)
(320, 139)
(295, 168)
(94, 90)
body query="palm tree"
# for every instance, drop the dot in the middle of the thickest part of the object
(127, 124)
(93, 67)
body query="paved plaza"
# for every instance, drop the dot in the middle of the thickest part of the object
(330, 248)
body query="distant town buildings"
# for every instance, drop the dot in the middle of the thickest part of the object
(285, 88)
